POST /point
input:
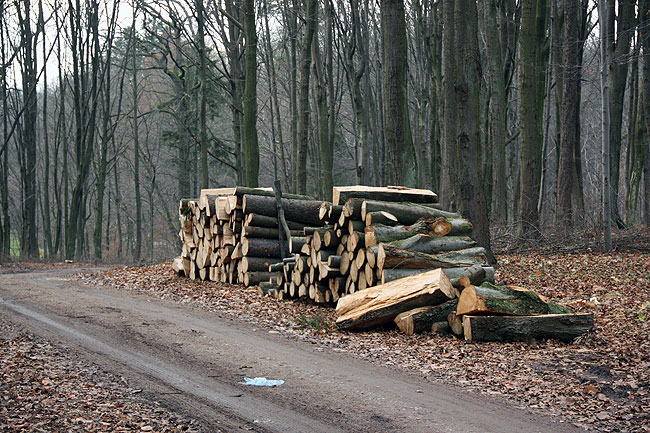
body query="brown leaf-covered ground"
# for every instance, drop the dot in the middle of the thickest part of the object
(46, 389)
(601, 382)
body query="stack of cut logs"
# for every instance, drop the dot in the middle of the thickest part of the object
(423, 269)
(366, 236)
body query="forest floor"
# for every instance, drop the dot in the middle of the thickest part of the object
(600, 382)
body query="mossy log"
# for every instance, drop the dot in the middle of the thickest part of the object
(383, 233)
(434, 244)
(381, 304)
(565, 327)
(421, 319)
(452, 227)
(509, 300)
(393, 257)
(476, 273)
(406, 213)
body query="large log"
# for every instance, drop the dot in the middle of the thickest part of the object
(509, 300)
(381, 304)
(400, 258)
(452, 226)
(265, 232)
(341, 194)
(406, 213)
(251, 264)
(253, 219)
(260, 247)
(304, 211)
(382, 233)
(421, 319)
(382, 217)
(434, 244)
(252, 278)
(240, 191)
(352, 208)
(476, 273)
(565, 327)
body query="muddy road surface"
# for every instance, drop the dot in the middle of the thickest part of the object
(192, 361)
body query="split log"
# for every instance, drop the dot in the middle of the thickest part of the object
(510, 300)
(400, 258)
(382, 217)
(178, 267)
(341, 194)
(434, 244)
(455, 324)
(565, 327)
(381, 304)
(265, 232)
(260, 247)
(324, 211)
(304, 211)
(421, 319)
(406, 213)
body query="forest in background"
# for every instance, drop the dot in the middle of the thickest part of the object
(112, 111)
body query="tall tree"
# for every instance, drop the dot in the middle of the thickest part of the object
(136, 139)
(311, 18)
(619, 35)
(569, 113)
(472, 197)
(448, 146)
(203, 136)
(397, 128)
(532, 73)
(603, 11)
(251, 146)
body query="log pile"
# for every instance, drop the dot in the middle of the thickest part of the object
(367, 236)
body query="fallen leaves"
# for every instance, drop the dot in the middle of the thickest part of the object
(601, 382)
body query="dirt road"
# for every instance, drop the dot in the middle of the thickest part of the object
(192, 361)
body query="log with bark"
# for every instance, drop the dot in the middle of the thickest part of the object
(565, 327)
(392, 257)
(406, 213)
(341, 194)
(509, 300)
(476, 273)
(251, 264)
(381, 304)
(381, 217)
(257, 220)
(452, 226)
(265, 232)
(304, 211)
(260, 247)
(421, 319)
(434, 244)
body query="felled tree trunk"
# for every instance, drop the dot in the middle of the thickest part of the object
(434, 244)
(393, 257)
(565, 327)
(304, 211)
(259, 247)
(452, 226)
(421, 319)
(381, 304)
(511, 300)
(476, 273)
(381, 233)
(406, 213)
(391, 193)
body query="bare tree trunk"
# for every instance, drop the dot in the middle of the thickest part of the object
(251, 147)
(136, 144)
(203, 136)
(399, 143)
(569, 114)
(311, 19)
(448, 161)
(604, 88)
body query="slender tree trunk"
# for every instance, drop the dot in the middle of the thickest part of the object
(47, 221)
(604, 88)
(4, 186)
(136, 145)
(203, 137)
(311, 19)
(644, 30)
(251, 147)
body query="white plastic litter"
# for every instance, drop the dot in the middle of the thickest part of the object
(261, 381)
